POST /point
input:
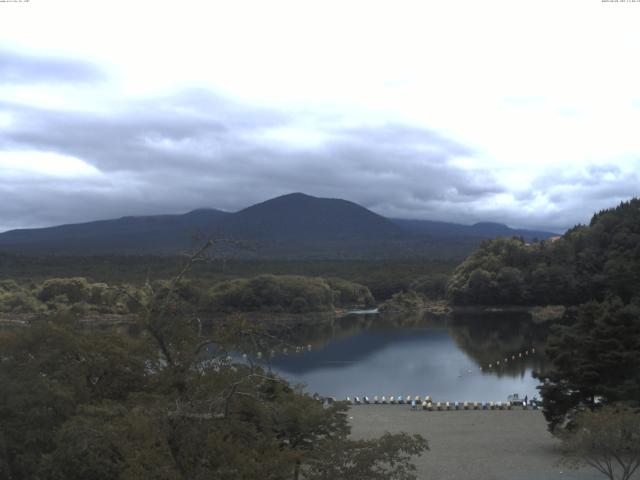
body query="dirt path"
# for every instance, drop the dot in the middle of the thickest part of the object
(473, 445)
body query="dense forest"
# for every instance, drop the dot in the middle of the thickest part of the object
(263, 293)
(589, 262)
(382, 277)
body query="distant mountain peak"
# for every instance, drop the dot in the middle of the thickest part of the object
(293, 196)
(297, 216)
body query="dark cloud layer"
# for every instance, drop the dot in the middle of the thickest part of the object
(196, 149)
(16, 68)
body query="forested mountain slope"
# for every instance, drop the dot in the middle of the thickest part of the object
(152, 234)
(589, 262)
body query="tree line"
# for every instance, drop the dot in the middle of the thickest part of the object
(263, 293)
(589, 262)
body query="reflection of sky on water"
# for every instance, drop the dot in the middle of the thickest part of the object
(399, 362)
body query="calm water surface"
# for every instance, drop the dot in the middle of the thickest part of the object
(372, 356)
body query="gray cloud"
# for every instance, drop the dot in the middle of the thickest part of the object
(575, 196)
(559, 198)
(17, 68)
(195, 149)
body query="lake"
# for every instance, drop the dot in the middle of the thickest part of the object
(452, 359)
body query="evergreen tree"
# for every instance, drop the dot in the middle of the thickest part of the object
(594, 361)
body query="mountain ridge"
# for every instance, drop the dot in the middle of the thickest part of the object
(295, 224)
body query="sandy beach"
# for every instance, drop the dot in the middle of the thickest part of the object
(473, 445)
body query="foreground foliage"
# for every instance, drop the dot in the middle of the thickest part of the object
(168, 404)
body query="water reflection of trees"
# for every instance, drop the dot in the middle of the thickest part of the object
(486, 337)
(490, 337)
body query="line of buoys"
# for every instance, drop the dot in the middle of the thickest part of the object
(504, 361)
(427, 404)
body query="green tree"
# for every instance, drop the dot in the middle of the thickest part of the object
(594, 360)
(607, 440)
(76, 289)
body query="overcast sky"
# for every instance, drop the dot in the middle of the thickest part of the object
(522, 112)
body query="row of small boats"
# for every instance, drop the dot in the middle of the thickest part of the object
(426, 403)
